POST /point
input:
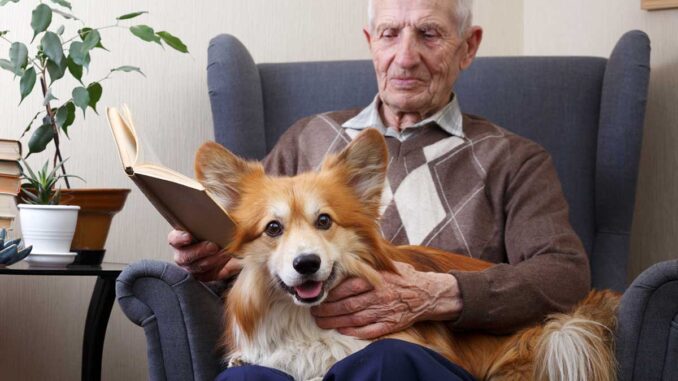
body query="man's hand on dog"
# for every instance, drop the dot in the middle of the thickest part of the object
(358, 309)
(204, 260)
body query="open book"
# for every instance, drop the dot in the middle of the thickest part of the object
(183, 201)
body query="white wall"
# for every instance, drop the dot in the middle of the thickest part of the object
(42, 318)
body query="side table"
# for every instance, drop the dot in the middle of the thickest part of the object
(99, 310)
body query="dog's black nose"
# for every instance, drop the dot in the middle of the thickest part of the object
(306, 263)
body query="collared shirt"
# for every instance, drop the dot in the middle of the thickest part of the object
(449, 118)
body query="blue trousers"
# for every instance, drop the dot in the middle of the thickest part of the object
(386, 359)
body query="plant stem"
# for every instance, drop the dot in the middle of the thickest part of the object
(99, 28)
(50, 114)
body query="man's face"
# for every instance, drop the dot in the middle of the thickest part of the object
(418, 53)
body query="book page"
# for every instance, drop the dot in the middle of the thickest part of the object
(124, 136)
(131, 144)
(188, 209)
(165, 173)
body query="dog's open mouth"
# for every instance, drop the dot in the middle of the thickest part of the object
(310, 291)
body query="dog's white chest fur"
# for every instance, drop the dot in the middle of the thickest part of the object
(287, 338)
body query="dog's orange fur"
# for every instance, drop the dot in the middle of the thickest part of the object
(246, 191)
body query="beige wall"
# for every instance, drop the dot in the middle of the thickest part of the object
(581, 27)
(42, 318)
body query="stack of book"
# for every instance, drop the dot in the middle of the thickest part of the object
(10, 181)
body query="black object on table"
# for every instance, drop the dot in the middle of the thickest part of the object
(99, 310)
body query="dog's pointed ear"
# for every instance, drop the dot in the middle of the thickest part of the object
(221, 172)
(364, 163)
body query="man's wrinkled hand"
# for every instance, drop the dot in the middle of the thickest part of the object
(204, 260)
(356, 308)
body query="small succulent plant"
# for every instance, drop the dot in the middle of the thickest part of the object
(12, 251)
(40, 187)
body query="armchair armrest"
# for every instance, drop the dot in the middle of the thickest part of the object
(181, 317)
(647, 331)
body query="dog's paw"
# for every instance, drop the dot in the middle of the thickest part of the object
(235, 361)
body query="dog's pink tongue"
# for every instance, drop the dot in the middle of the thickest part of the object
(309, 290)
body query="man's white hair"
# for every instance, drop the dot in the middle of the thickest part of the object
(463, 14)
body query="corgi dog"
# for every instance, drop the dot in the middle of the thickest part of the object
(298, 237)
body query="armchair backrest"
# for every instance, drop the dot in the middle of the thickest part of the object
(587, 112)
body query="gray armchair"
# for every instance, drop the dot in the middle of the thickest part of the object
(587, 112)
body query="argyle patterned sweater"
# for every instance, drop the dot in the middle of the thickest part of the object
(491, 195)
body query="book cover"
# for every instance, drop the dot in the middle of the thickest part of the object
(10, 184)
(10, 167)
(10, 149)
(8, 204)
(181, 200)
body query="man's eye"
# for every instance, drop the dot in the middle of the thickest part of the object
(429, 34)
(389, 33)
(273, 229)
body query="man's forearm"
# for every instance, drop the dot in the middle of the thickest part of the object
(446, 302)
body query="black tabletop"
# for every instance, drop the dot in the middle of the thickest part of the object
(24, 268)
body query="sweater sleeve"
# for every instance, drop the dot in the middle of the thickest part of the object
(547, 269)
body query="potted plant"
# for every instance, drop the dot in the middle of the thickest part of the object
(46, 225)
(51, 56)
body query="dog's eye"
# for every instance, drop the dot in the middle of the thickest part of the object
(273, 229)
(323, 222)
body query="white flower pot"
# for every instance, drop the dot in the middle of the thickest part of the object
(49, 229)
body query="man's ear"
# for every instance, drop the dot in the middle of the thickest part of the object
(221, 172)
(368, 37)
(363, 164)
(473, 38)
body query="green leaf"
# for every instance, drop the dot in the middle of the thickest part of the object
(173, 41)
(78, 55)
(84, 32)
(128, 69)
(40, 138)
(56, 71)
(91, 39)
(6, 65)
(130, 15)
(18, 55)
(61, 30)
(63, 3)
(3, 32)
(64, 14)
(30, 124)
(81, 98)
(3, 2)
(65, 116)
(48, 97)
(27, 82)
(40, 19)
(95, 90)
(74, 69)
(51, 45)
(145, 33)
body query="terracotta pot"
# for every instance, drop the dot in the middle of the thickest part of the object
(97, 208)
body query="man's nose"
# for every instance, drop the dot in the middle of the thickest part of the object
(407, 55)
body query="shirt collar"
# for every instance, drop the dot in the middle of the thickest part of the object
(449, 119)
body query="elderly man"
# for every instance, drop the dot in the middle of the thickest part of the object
(455, 181)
